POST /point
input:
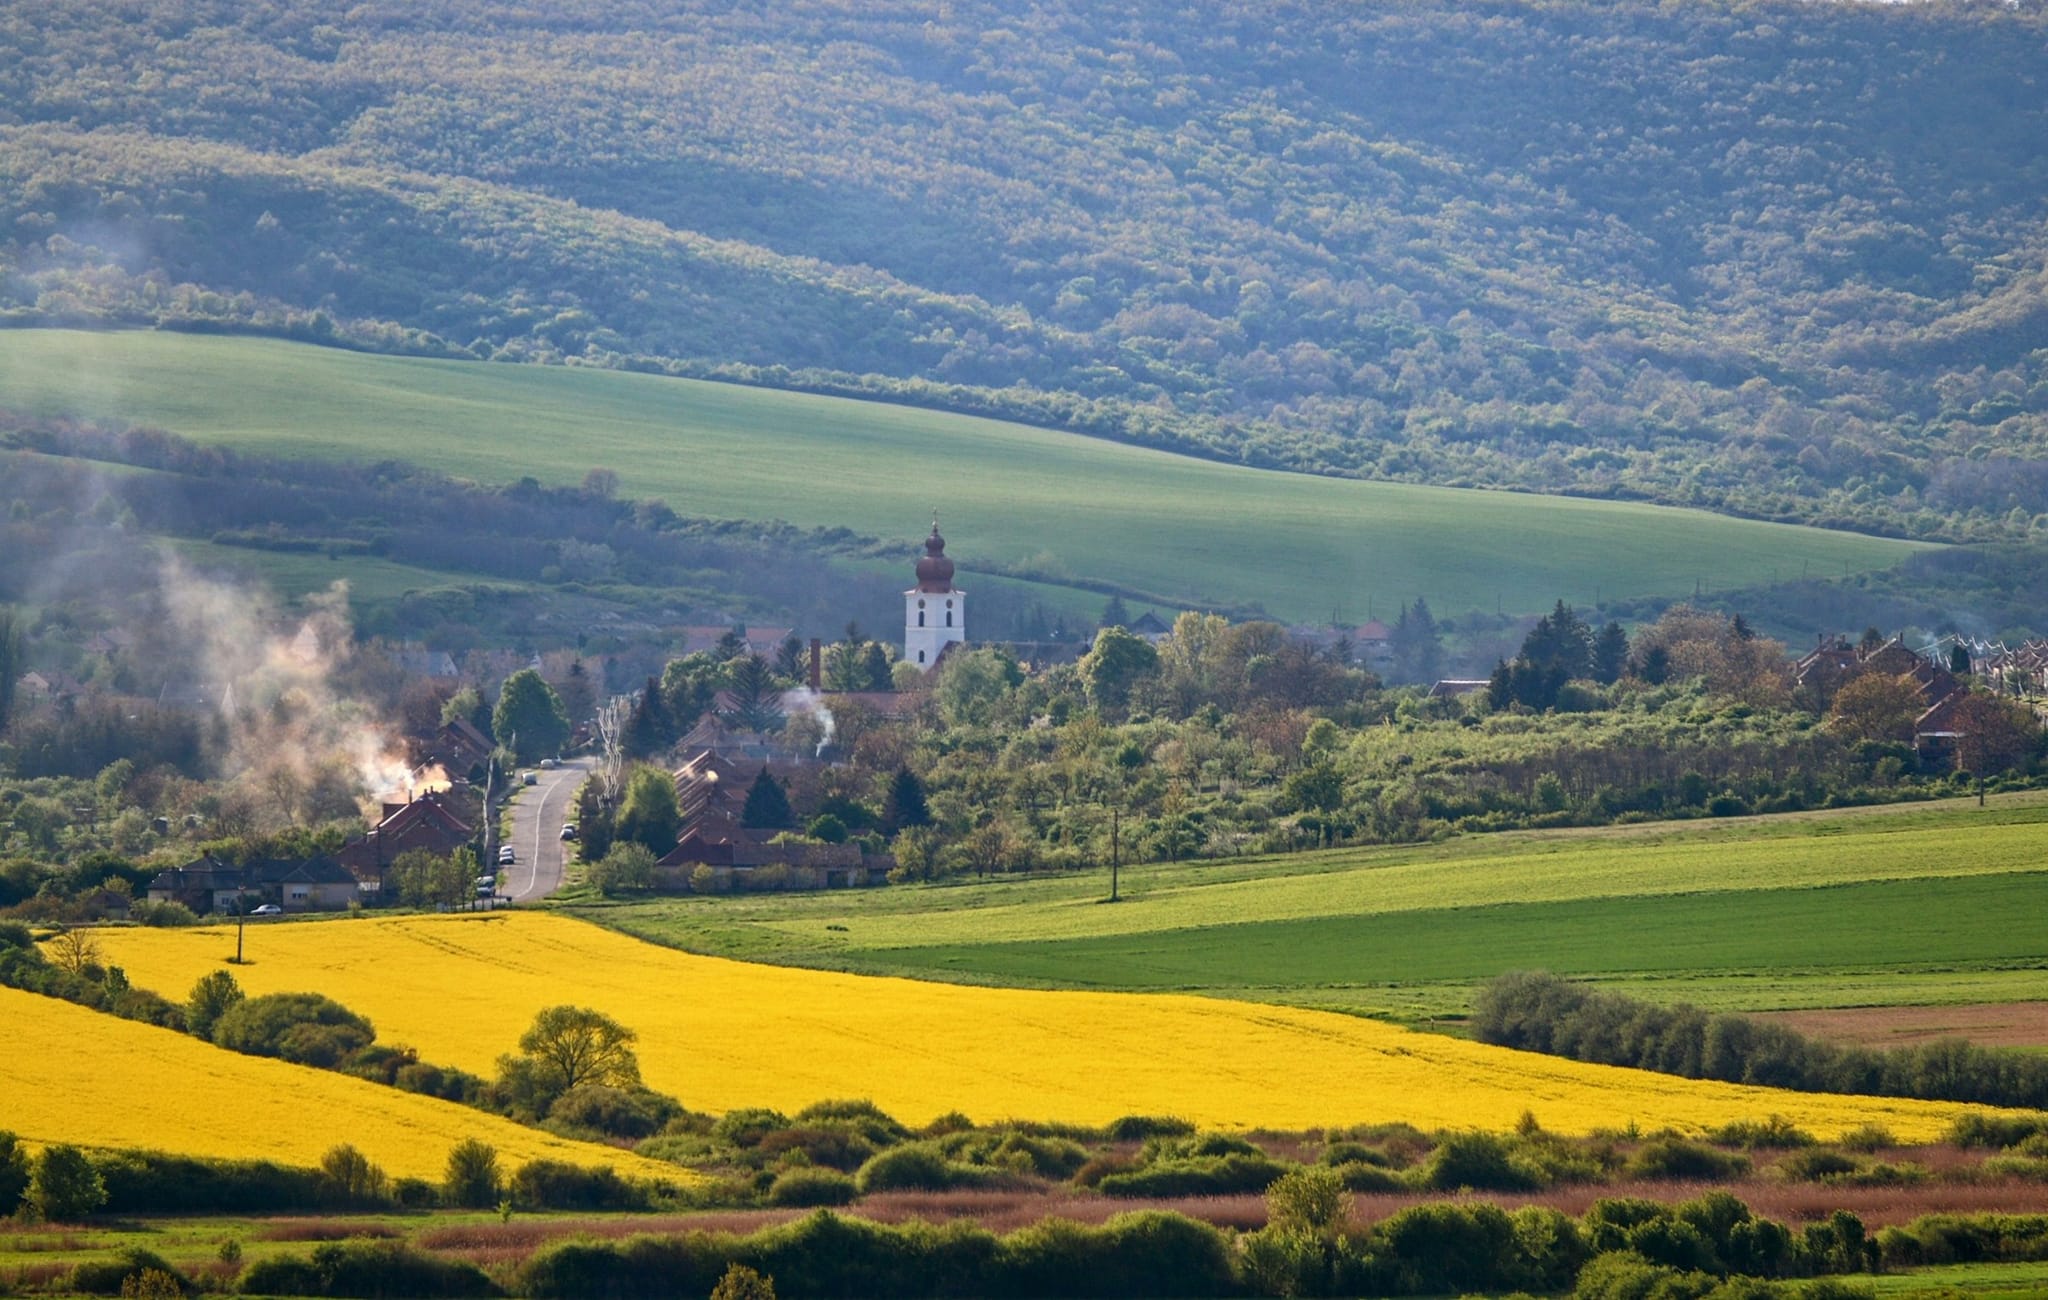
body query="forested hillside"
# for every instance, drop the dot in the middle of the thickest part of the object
(1779, 259)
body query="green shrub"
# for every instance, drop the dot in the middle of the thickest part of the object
(923, 1166)
(1140, 1128)
(1625, 1275)
(304, 1028)
(835, 1148)
(15, 1172)
(812, 1187)
(1965, 1239)
(858, 1115)
(1677, 1160)
(1479, 1161)
(748, 1125)
(1977, 1129)
(1356, 1153)
(370, 1270)
(473, 1180)
(1775, 1133)
(610, 1112)
(558, 1185)
(110, 1276)
(1202, 1176)
(64, 1185)
(1815, 1165)
(1867, 1138)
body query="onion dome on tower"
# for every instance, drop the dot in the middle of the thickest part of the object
(934, 611)
(934, 570)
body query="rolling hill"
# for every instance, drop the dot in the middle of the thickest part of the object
(1026, 502)
(73, 1075)
(1779, 259)
(1751, 914)
(721, 1034)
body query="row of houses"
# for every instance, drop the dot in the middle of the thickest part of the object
(1834, 663)
(356, 872)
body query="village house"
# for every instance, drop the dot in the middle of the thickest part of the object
(712, 792)
(317, 884)
(428, 823)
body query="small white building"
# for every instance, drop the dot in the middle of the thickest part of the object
(934, 611)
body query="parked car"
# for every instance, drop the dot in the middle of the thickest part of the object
(486, 883)
(549, 764)
(568, 830)
(506, 857)
(529, 778)
(268, 909)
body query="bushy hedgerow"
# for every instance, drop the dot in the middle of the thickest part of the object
(159, 1182)
(1131, 1257)
(924, 1166)
(806, 1188)
(558, 1185)
(1538, 1012)
(367, 1270)
(109, 1276)
(1674, 1159)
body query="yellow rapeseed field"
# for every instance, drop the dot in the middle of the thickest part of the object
(68, 1074)
(721, 1034)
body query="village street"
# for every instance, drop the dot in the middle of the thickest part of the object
(537, 817)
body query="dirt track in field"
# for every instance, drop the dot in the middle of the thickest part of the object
(1997, 1024)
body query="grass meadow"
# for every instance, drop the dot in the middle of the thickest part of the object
(1046, 504)
(720, 1034)
(1903, 905)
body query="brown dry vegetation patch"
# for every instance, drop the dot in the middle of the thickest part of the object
(1991, 1024)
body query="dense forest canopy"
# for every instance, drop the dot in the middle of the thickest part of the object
(1778, 259)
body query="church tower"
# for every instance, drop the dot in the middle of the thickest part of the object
(934, 612)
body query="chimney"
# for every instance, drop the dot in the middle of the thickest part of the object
(817, 660)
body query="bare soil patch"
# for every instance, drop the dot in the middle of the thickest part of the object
(1991, 1024)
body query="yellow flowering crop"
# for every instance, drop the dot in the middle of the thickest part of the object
(68, 1074)
(720, 1034)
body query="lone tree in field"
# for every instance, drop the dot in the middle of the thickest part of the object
(576, 1045)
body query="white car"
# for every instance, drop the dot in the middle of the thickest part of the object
(268, 909)
(506, 857)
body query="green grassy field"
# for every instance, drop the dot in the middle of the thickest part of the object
(1053, 505)
(1927, 904)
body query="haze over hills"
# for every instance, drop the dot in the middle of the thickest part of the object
(1780, 260)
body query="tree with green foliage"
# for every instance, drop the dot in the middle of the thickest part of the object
(1610, 654)
(649, 815)
(756, 695)
(1416, 645)
(1114, 614)
(648, 730)
(529, 718)
(64, 1187)
(906, 804)
(468, 705)
(877, 669)
(472, 1180)
(917, 851)
(570, 1046)
(212, 997)
(15, 1172)
(743, 1283)
(11, 661)
(767, 807)
(1114, 667)
(422, 878)
(789, 659)
(627, 869)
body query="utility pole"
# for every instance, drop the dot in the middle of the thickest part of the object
(1115, 834)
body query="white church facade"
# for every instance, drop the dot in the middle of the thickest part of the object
(934, 611)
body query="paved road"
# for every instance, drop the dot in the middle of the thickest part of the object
(537, 817)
